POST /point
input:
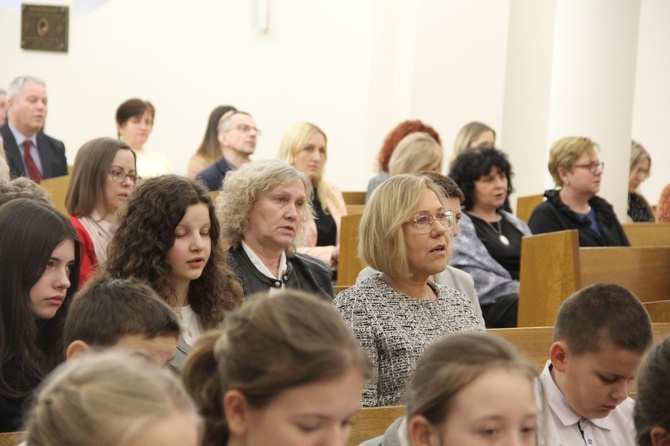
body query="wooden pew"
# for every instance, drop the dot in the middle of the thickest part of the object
(532, 342)
(553, 267)
(349, 265)
(525, 206)
(355, 202)
(659, 311)
(57, 188)
(647, 234)
(372, 422)
(11, 438)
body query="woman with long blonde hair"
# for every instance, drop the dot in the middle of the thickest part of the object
(304, 146)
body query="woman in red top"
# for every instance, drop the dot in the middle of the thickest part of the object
(103, 175)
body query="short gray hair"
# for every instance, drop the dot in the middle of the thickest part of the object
(14, 89)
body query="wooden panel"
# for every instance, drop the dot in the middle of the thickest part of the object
(645, 271)
(11, 438)
(57, 188)
(354, 197)
(532, 342)
(525, 206)
(355, 208)
(549, 273)
(372, 422)
(647, 234)
(349, 265)
(659, 311)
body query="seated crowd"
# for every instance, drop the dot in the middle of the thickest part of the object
(187, 319)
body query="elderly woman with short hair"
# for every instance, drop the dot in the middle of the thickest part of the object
(264, 209)
(577, 172)
(404, 233)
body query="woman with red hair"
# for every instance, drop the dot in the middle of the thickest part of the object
(392, 139)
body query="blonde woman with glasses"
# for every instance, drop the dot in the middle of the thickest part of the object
(103, 176)
(395, 314)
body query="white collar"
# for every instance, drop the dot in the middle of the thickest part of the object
(260, 266)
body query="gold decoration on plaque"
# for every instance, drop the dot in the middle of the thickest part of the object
(45, 28)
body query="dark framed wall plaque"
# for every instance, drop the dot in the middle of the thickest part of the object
(45, 28)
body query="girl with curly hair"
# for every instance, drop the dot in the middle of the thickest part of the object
(39, 272)
(169, 236)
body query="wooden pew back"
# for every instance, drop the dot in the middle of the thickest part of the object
(659, 311)
(57, 188)
(355, 202)
(553, 267)
(349, 264)
(647, 234)
(372, 422)
(525, 206)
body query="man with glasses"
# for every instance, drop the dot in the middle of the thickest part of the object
(237, 135)
(30, 153)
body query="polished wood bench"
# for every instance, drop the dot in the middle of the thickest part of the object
(553, 267)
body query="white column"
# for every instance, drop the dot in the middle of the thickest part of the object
(591, 64)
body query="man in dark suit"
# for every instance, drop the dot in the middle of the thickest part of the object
(30, 152)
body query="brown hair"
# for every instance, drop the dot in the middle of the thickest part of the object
(447, 184)
(450, 364)
(604, 312)
(133, 107)
(89, 174)
(653, 393)
(145, 234)
(268, 345)
(399, 132)
(107, 309)
(210, 148)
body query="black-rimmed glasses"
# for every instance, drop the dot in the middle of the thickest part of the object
(120, 176)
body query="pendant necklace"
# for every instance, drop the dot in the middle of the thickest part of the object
(498, 231)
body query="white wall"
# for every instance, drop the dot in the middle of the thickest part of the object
(353, 67)
(651, 112)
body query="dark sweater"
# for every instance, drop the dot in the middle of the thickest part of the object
(553, 215)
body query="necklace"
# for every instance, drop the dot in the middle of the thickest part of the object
(504, 240)
(501, 236)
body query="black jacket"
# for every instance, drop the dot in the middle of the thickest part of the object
(553, 215)
(303, 272)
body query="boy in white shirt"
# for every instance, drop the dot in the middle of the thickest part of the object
(600, 338)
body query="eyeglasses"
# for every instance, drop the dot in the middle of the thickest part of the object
(246, 129)
(120, 176)
(593, 166)
(424, 222)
